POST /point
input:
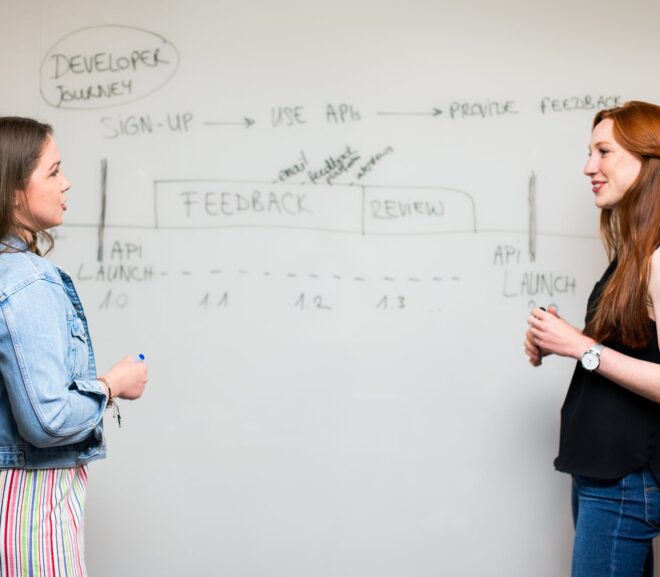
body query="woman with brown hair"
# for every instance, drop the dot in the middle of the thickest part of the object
(52, 399)
(610, 421)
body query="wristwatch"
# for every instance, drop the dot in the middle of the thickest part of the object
(591, 359)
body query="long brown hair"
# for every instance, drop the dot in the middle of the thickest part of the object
(22, 142)
(630, 231)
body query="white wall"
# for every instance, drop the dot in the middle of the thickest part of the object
(340, 391)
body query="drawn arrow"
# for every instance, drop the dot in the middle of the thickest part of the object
(435, 112)
(247, 122)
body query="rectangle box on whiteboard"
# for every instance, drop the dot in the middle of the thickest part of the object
(226, 204)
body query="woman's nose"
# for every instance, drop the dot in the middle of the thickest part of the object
(66, 184)
(591, 167)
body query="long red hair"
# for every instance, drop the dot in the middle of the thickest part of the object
(630, 231)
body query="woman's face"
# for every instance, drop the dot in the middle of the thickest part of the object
(45, 192)
(612, 168)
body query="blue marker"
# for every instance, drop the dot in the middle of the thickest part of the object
(139, 358)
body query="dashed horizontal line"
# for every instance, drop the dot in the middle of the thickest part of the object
(316, 276)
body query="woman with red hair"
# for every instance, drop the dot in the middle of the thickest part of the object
(610, 421)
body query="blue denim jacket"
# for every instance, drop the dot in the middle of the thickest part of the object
(51, 405)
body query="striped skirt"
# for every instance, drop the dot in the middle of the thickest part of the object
(41, 522)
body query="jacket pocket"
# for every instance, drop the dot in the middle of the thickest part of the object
(78, 349)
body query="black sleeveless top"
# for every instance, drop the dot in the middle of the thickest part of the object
(606, 430)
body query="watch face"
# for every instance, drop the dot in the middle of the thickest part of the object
(590, 360)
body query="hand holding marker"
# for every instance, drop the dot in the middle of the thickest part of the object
(128, 381)
(553, 311)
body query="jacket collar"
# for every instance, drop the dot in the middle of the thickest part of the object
(14, 242)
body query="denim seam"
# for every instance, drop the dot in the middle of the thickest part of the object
(646, 491)
(646, 501)
(618, 528)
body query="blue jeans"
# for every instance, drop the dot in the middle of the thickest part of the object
(615, 522)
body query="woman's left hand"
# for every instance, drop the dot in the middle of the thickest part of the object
(552, 334)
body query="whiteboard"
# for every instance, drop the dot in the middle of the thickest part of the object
(324, 224)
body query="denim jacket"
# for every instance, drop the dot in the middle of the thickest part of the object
(51, 405)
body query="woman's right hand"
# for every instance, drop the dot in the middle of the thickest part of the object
(534, 353)
(127, 378)
(532, 350)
